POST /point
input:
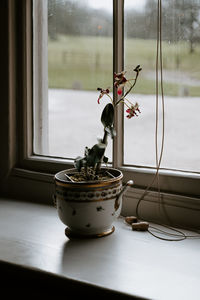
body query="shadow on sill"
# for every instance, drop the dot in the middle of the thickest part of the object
(26, 282)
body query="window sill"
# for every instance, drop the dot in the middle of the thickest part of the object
(126, 263)
(178, 209)
(177, 182)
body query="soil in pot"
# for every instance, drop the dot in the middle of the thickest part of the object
(80, 176)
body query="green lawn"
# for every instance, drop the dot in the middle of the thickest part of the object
(86, 63)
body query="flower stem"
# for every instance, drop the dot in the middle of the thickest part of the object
(110, 98)
(104, 141)
(128, 90)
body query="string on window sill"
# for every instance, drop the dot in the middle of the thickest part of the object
(175, 234)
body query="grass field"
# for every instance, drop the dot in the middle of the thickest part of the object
(86, 63)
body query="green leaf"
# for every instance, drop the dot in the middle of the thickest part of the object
(86, 151)
(79, 163)
(107, 117)
(95, 154)
(111, 130)
(105, 159)
(99, 140)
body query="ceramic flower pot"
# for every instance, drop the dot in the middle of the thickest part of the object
(89, 208)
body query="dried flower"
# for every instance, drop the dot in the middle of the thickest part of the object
(90, 163)
(137, 69)
(132, 111)
(119, 79)
(102, 92)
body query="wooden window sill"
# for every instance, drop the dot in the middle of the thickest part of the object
(123, 265)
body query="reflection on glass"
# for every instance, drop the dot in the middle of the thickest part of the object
(79, 61)
(181, 64)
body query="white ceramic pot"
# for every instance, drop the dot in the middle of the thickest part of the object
(89, 208)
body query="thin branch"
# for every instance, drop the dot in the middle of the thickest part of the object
(132, 86)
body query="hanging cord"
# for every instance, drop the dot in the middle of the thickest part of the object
(177, 235)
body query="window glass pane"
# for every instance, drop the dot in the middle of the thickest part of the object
(181, 64)
(79, 61)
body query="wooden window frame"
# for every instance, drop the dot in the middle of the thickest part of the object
(25, 174)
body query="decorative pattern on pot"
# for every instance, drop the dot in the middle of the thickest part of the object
(88, 209)
(90, 195)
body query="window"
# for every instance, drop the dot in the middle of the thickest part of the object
(36, 158)
(79, 60)
(181, 75)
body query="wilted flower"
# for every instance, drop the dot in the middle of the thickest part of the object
(102, 92)
(137, 69)
(119, 79)
(119, 82)
(132, 111)
(90, 163)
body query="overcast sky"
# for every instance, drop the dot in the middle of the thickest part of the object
(107, 4)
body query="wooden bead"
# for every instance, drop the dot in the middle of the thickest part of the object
(140, 226)
(131, 220)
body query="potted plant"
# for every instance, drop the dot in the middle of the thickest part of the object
(89, 197)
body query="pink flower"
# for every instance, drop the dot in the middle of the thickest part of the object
(119, 92)
(132, 111)
(120, 79)
(102, 92)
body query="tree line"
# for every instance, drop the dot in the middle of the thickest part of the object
(77, 18)
(180, 20)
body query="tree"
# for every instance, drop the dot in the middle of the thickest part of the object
(77, 18)
(188, 12)
(180, 20)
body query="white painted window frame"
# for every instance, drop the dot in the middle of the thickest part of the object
(40, 76)
(36, 172)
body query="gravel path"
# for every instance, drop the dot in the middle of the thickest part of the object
(175, 76)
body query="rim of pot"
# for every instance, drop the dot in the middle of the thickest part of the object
(60, 177)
